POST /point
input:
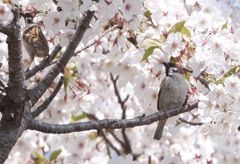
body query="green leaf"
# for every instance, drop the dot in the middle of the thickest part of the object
(148, 14)
(40, 158)
(220, 81)
(150, 45)
(150, 42)
(148, 52)
(66, 83)
(55, 154)
(232, 71)
(72, 66)
(187, 76)
(224, 26)
(179, 27)
(78, 117)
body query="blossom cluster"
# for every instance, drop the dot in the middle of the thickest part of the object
(200, 35)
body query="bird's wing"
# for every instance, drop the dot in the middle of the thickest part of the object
(159, 93)
(163, 85)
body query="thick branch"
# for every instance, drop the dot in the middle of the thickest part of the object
(5, 27)
(15, 91)
(38, 91)
(107, 123)
(16, 72)
(9, 133)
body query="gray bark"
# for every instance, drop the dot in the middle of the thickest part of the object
(16, 101)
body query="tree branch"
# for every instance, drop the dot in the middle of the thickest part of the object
(108, 142)
(15, 112)
(116, 138)
(108, 123)
(5, 27)
(127, 145)
(15, 91)
(9, 133)
(97, 39)
(190, 123)
(45, 104)
(38, 91)
(120, 101)
(92, 117)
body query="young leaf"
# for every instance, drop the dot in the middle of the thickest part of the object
(224, 26)
(40, 158)
(65, 84)
(232, 71)
(148, 52)
(150, 42)
(78, 117)
(187, 76)
(148, 14)
(179, 27)
(55, 154)
(72, 66)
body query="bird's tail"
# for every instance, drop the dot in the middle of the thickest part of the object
(159, 130)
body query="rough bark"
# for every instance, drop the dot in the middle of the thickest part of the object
(16, 100)
(12, 125)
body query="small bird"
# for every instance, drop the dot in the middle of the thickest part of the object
(34, 41)
(172, 94)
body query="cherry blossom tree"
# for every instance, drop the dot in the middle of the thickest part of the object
(93, 99)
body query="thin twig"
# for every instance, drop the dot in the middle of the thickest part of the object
(45, 104)
(92, 117)
(108, 142)
(120, 101)
(127, 148)
(96, 40)
(127, 145)
(116, 138)
(190, 123)
(108, 151)
(149, 159)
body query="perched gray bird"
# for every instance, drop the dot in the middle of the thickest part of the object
(172, 94)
